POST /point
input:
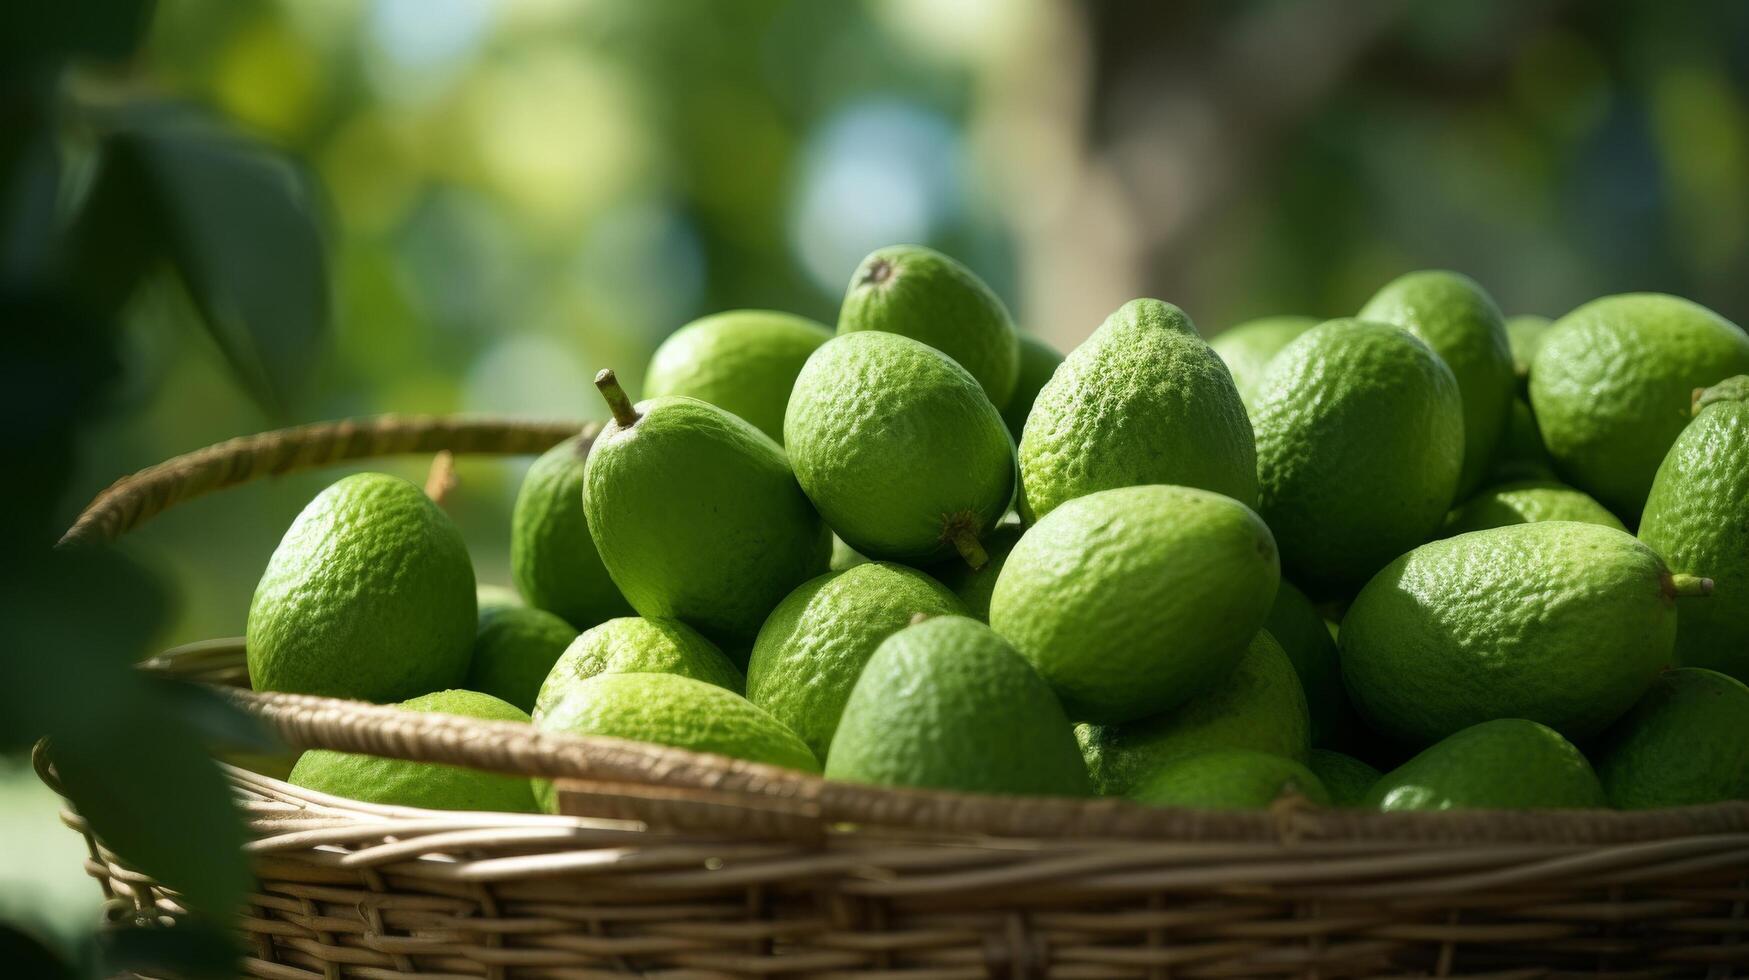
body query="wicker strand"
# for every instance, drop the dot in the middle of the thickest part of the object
(743, 792)
(135, 499)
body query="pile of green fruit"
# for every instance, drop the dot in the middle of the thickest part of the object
(1382, 561)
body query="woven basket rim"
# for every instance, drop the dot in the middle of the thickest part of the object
(660, 786)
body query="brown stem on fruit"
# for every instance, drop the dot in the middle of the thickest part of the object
(876, 272)
(617, 401)
(966, 543)
(919, 617)
(1684, 586)
(1694, 405)
(441, 478)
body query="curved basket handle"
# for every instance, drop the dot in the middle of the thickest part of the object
(133, 500)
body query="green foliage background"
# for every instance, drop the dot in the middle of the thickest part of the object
(459, 205)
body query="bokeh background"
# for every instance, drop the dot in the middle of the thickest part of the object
(517, 193)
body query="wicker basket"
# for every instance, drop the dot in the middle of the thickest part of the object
(674, 863)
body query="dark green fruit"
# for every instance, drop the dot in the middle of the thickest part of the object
(946, 704)
(1258, 706)
(1559, 622)
(1230, 779)
(1348, 779)
(1686, 742)
(1360, 438)
(1306, 637)
(1038, 361)
(553, 559)
(1505, 764)
(514, 649)
(1458, 319)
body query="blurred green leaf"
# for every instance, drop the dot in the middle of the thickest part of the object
(33, 34)
(27, 956)
(74, 621)
(220, 724)
(193, 949)
(145, 783)
(236, 222)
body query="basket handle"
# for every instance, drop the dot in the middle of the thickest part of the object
(133, 500)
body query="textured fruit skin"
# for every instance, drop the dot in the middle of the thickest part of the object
(1305, 637)
(1348, 779)
(514, 648)
(815, 643)
(920, 293)
(634, 645)
(1559, 622)
(370, 595)
(1247, 348)
(1259, 706)
(1143, 400)
(1612, 383)
(1527, 502)
(1697, 518)
(742, 361)
(1686, 742)
(698, 518)
(948, 704)
(1458, 319)
(1507, 763)
(1038, 361)
(1229, 779)
(1132, 601)
(395, 782)
(668, 709)
(1524, 337)
(896, 445)
(553, 560)
(1360, 436)
(974, 586)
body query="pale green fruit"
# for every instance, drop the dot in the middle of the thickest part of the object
(1142, 401)
(947, 704)
(743, 361)
(370, 595)
(898, 448)
(1133, 601)
(396, 782)
(920, 293)
(1612, 383)
(697, 515)
(634, 645)
(1230, 779)
(814, 644)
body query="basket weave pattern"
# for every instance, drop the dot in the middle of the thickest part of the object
(675, 863)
